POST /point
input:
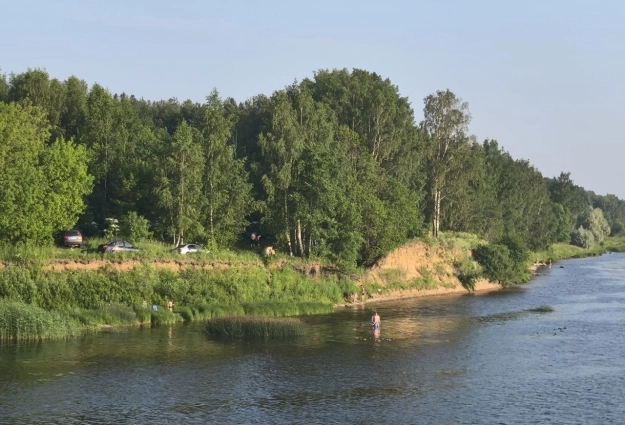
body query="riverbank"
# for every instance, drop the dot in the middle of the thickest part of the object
(110, 291)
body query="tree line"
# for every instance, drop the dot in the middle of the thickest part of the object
(333, 166)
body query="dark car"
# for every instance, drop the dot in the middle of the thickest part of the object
(71, 238)
(116, 246)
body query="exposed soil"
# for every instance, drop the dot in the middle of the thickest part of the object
(419, 260)
(123, 265)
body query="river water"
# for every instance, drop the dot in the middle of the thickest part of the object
(495, 358)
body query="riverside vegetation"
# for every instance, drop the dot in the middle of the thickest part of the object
(334, 171)
(41, 302)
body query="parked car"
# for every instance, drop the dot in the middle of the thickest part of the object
(71, 238)
(116, 246)
(189, 248)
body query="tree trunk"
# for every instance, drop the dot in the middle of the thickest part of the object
(300, 243)
(211, 212)
(286, 225)
(436, 214)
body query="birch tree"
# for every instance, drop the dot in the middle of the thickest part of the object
(179, 188)
(281, 146)
(226, 192)
(445, 124)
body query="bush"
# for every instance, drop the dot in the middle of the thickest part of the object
(496, 262)
(468, 273)
(583, 238)
(135, 227)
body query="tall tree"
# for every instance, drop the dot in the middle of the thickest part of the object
(227, 194)
(42, 184)
(4, 87)
(99, 139)
(75, 107)
(281, 145)
(445, 124)
(179, 188)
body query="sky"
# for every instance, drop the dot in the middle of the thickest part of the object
(546, 78)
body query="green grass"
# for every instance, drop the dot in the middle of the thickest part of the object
(561, 251)
(255, 327)
(152, 250)
(267, 308)
(23, 322)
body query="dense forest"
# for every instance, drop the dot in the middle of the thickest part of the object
(335, 166)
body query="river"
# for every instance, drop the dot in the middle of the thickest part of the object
(495, 358)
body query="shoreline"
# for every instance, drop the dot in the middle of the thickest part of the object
(482, 287)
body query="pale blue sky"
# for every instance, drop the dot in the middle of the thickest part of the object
(544, 78)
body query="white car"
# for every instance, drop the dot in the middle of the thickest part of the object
(189, 248)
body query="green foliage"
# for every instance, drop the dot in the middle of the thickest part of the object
(583, 238)
(255, 327)
(135, 227)
(42, 184)
(99, 289)
(23, 322)
(227, 193)
(333, 168)
(519, 255)
(468, 272)
(594, 222)
(496, 262)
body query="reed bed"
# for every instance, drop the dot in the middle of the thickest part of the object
(255, 327)
(23, 322)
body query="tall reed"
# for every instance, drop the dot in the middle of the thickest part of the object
(23, 322)
(253, 327)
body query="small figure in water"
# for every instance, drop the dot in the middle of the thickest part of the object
(375, 320)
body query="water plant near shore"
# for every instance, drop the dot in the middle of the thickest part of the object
(23, 322)
(254, 327)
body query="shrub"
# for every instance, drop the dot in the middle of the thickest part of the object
(495, 261)
(468, 272)
(135, 227)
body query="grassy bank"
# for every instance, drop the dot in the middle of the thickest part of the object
(149, 250)
(562, 251)
(106, 296)
(39, 302)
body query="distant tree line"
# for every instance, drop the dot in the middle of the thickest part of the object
(333, 166)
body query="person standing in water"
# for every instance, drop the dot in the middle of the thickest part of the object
(375, 320)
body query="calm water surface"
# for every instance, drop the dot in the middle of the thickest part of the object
(469, 359)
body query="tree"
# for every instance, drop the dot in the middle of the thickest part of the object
(445, 126)
(594, 221)
(35, 86)
(75, 107)
(98, 137)
(179, 187)
(42, 184)
(4, 87)
(227, 195)
(281, 146)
